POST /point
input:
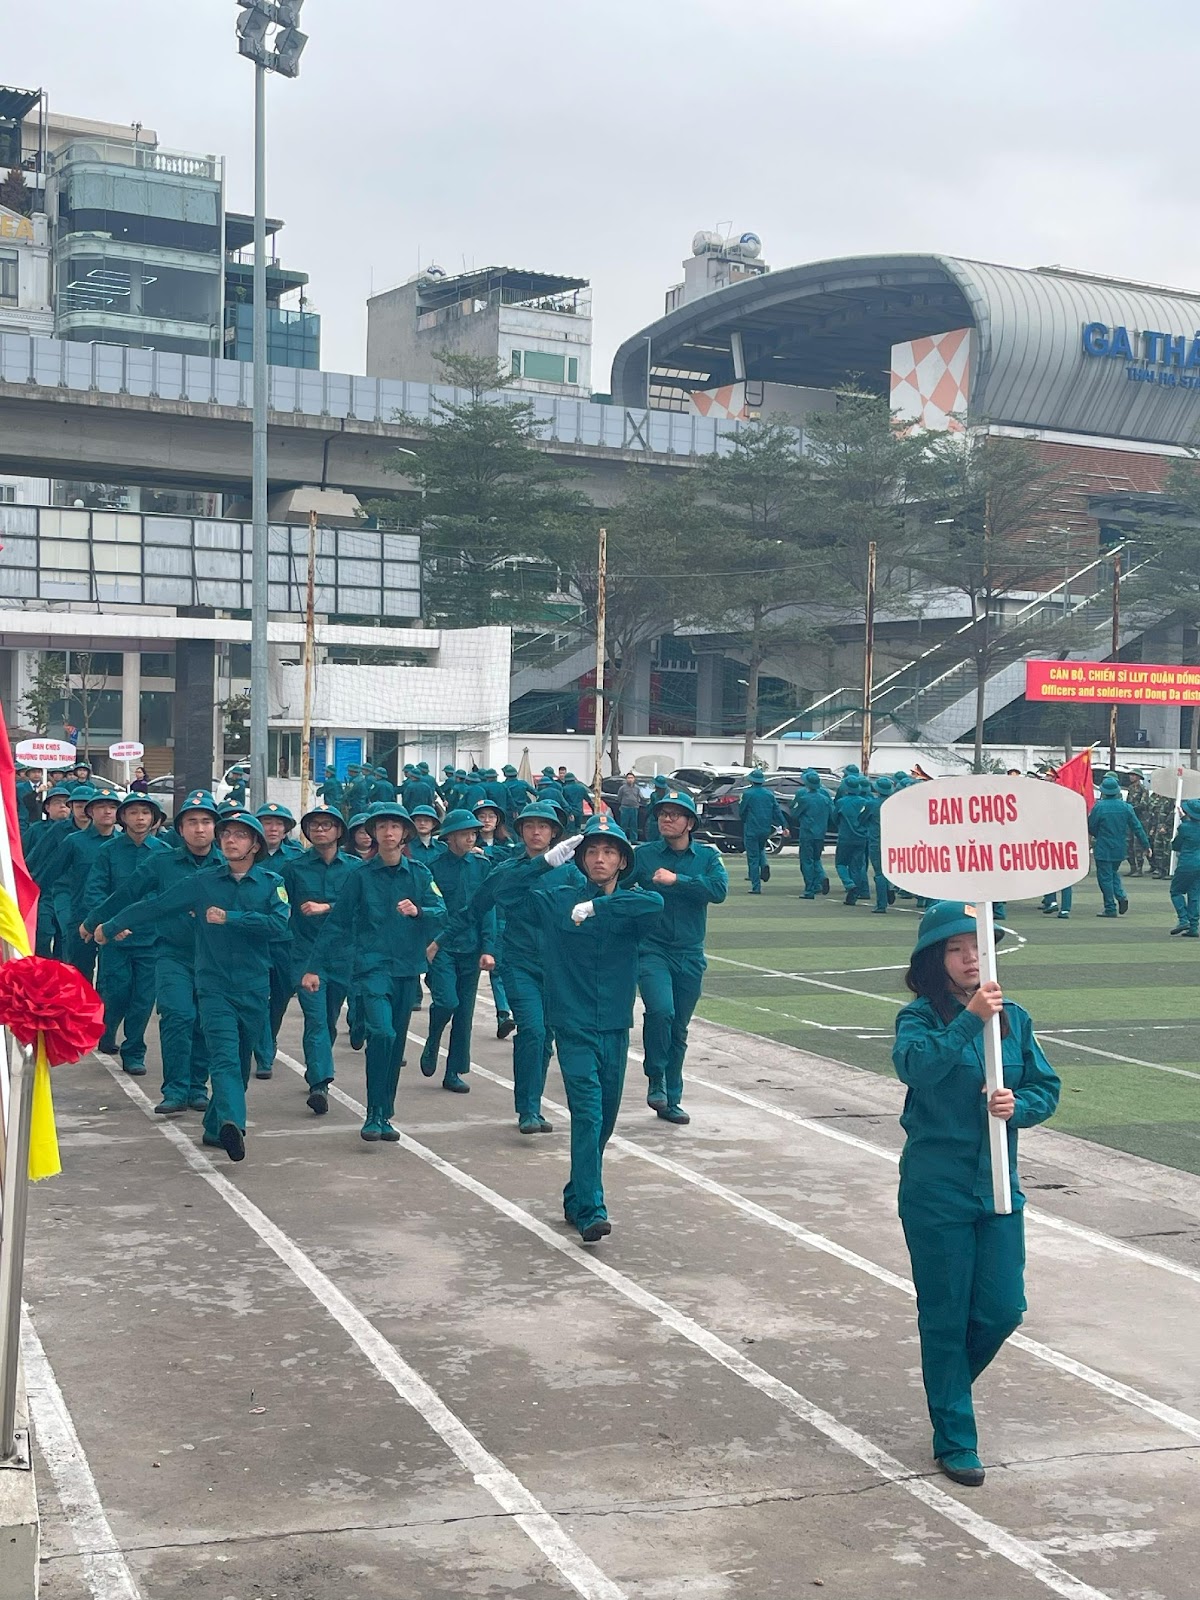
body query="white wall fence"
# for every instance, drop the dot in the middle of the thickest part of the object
(651, 755)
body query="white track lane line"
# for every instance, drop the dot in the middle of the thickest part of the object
(1026, 1557)
(104, 1568)
(487, 1470)
(1182, 1421)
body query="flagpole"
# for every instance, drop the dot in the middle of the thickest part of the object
(18, 1120)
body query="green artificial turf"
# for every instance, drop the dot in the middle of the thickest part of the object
(1124, 988)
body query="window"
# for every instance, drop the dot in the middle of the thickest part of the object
(516, 363)
(543, 368)
(9, 275)
(572, 369)
(8, 494)
(157, 664)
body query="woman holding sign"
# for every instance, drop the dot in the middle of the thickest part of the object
(967, 1261)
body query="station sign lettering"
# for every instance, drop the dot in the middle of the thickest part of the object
(1170, 360)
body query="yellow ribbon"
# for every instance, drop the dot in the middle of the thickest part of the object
(43, 1135)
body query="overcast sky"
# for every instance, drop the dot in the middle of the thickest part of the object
(597, 139)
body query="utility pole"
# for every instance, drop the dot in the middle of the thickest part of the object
(1116, 651)
(601, 648)
(309, 647)
(868, 658)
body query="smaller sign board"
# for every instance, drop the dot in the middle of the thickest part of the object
(1166, 781)
(984, 838)
(129, 750)
(46, 753)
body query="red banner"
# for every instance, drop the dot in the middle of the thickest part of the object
(1127, 683)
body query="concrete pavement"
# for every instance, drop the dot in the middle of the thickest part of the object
(367, 1372)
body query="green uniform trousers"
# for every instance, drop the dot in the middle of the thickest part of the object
(756, 855)
(125, 981)
(320, 1012)
(388, 1005)
(592, 1063)
(453, 982)
(670, 982)
(881, 884)
(1108, 877)
(532, 1040)
(233, 1023)
(49, 936)
(969, 1274)
(810, 864)
(497, 979)
(1185, 895)
(79, 953)
(850, 862)
(181, 1040)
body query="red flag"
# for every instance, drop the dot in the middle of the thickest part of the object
(1077, 774)
(24, 886)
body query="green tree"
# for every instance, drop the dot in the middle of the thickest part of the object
(760, 533)
(494, 509)
(43, 700)
(15, 194)
(991, 502)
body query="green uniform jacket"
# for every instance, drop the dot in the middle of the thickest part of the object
(812, 812)
(1110, 824)
(356, 797)
(426, 854)
(157, 876)
(576, 795)
(381, 789)
(364, 935)
(229, 953)
(759, 811)
(1186, 844)
(519, 795)
(851, 813)
(700, 881)
(331, 791)
(459, 878)
(496, 793)
(307, 877)
(416, 792)
(509, 888)
(945, 1110)
(66, 872)
(118, 863)
(591, 967)
(44, 847)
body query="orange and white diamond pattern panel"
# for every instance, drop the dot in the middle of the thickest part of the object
(727, 404)
(931, 379)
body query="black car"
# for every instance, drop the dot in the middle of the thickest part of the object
(722, 825)
(610, 786)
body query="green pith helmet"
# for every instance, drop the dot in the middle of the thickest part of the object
(423, 811)
(244, 819)
(673, 797)
(384, 810)
(321, 810)
(274, 810)
(459, 821)
(1110, 786)
(58, 792)
(509, 770)
(141, 800)
(603, 827)
(541, 811)
(358, 820)
(945, 921)
(198, 800)
(756, 776)
(812, 778)
(1191, 810)
(99, 796)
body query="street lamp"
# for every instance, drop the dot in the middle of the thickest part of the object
(268, 36)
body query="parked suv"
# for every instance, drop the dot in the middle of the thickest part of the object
(722, 825)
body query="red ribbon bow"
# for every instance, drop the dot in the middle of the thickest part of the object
(38, 995)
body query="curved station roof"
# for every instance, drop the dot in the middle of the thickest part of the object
(1054, 349)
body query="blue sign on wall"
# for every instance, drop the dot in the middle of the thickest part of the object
(1170, 360)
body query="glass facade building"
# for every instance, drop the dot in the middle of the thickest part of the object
(293, 337)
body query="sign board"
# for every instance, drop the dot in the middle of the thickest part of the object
(1175, 783)
(129, 750)
(45, 753)
(984, 838)
(1126, 683)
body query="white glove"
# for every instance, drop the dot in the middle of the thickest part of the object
(582, 912)
(559, 854)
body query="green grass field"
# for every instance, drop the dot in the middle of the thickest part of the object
(1114, 1003)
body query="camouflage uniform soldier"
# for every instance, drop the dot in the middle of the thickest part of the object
(1139, 798)
(1159, 827)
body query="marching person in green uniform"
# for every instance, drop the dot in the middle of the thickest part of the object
(461, 952)
(65, 876)
(849, 781)
(237, 788)
(1110, 823)
(496, 846)
(850, 856)
(884, 893)
(690, 877)
(445, 788)
(590, 943)
(80, 776)
(374, 941)
(277, 823)
(313, 881)
(360, 841)
(494, 789)
(1185, 884)
(239, 910)
(331, 790)
(760, 814)
(967, 1261)
(812, 812)
(545, 860)
(425, 845)
(125, 970)
(417, 790)
(355, 797)
(519, 793)
(381, 790)
(576, 795)
(180, 1037)
(56, 808)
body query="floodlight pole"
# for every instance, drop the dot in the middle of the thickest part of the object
(868, 660)
(259, 669)
(1116, 653)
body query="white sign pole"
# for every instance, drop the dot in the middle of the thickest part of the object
(1178, 803)
(993, 1063)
